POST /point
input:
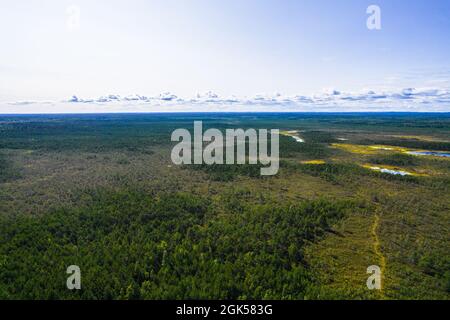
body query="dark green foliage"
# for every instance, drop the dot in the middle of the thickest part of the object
(93, 133)
(7, 169)
(331, 172)
(436, 265)
(228, 172)
(319, 137)
(291, 148)
(131, 245)
(396, 159)
(340, 173)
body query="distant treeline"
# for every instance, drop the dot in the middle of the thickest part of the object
(89, 136)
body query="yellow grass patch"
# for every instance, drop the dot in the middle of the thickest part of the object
(354, 148)
(388, 148)
(313, 162)
(362, 149)
(288, 132)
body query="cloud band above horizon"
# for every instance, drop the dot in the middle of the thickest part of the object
(408, 100)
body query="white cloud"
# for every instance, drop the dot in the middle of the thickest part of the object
(406, 99)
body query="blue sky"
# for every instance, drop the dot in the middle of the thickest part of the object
(238, 49)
